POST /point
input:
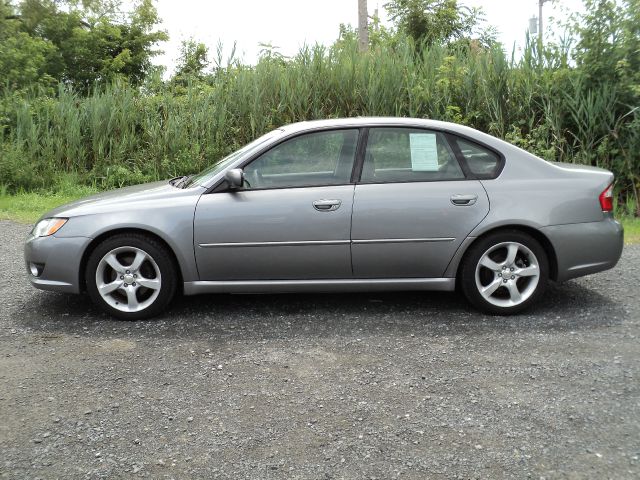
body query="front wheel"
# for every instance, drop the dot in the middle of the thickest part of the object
(131, 276)
(504, 272)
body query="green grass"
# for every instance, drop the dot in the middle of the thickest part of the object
(27, 208)
(631, 230)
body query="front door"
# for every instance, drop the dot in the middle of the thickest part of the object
(292, 219)
(413, 206)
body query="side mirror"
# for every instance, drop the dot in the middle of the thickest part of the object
(234, 177)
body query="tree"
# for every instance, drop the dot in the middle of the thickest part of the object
(23, 59)
(609, 47)
(433, 21)
(79, 42)
(192, 62)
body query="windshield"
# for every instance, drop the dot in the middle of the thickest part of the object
(211, 171)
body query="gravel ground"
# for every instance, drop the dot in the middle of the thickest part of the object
(408, 385)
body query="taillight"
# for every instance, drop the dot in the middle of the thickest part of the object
(606, 199)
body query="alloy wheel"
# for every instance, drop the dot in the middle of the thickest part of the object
(128, 279)
(507, 274)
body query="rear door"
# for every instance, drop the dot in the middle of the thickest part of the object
(292, 219)
(413, 206)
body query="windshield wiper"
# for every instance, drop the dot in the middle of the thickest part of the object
(180, 182)
(175, 180)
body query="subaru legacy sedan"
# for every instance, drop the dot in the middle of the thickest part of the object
(360, 204)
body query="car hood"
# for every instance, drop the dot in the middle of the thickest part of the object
(128, 197)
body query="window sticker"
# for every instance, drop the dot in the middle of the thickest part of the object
(424, 152)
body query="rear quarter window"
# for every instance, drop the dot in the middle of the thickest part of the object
(481, 162)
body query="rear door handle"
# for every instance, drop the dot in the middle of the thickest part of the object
(327, 205)
(463, 200)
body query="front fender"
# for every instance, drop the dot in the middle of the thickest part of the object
(170, 219)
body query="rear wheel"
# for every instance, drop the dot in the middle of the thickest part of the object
(131, 276)
(504, 272)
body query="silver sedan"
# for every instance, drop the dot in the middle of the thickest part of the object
(356, 204)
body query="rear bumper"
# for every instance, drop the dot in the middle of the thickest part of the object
(59, 260)
(584, 248)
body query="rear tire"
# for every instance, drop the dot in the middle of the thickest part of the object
(131, 276)
(504, 273)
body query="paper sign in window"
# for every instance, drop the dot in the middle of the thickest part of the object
(424, 152)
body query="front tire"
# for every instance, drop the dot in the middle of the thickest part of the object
(505, 272)
(131, 276)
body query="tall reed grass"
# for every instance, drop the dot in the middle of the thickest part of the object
(120, 135)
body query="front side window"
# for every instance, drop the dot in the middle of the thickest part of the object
(408, 155)
(312, 159)
(206, 175)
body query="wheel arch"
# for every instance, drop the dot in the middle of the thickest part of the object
(534, 232)
(118, 231)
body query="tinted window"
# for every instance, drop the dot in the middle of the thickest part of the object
(408, 155)
(481, 162)
(313, 159)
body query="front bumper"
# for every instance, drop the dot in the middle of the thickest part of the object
(584, 248)
(60, 261)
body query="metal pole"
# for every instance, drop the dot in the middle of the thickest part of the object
(363, 29)
(540, 2)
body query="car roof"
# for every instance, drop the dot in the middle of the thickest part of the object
(375, 122)
(355, 122)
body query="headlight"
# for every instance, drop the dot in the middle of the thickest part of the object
(48, 226)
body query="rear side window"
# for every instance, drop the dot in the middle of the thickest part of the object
(408, 155)
(482, 163)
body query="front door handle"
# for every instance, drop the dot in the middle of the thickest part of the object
(463, 200)
(327, 205)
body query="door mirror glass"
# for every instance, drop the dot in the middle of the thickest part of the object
(234, 177)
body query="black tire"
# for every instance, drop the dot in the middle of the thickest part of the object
(467, 271)
(162, 257)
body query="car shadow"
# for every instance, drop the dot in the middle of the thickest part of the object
(566, 307)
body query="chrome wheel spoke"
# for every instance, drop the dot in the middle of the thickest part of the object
(530, 271)
(491, 288)
(512, 252)
(137, 262)
(152, 283)
(490, 264)
(114, 263)
(132, 299)
(107, 288)
(514, 293)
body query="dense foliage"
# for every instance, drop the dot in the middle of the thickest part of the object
(431, 22)
(78, 43)
(576, 104)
